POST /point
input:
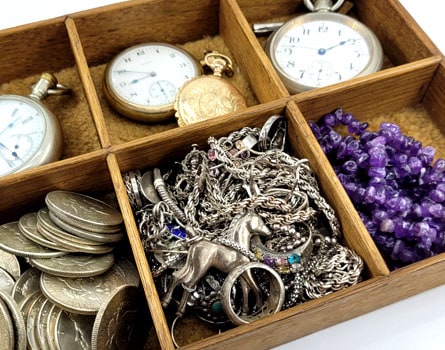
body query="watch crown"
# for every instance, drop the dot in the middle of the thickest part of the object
(47, 85)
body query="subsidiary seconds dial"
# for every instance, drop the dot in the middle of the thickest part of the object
(142, 82)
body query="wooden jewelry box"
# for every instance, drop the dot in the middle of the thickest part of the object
(100, 145)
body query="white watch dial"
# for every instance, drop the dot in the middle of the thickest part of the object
(321, 53)
(22, 131)
(150, 74)
(321, 49)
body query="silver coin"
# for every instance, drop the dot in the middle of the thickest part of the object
(41, 324)
(85, 234)
(128, 271)
(14, 242)
(31, 322)
(6, 281)
(73, 331)
(75, 265)
(71, 246)
(50, 229)
(10, 263)
(6, 328)
(67, 241)
(53, 316)
(28, 227)
(25, 304)
(121, 322)
(83, 211)
(83, 295)
(27, 284)
(17, 321)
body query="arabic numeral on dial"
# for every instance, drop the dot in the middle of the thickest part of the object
(288, 51)
(323, 28)
(293, 40)
(290, 64)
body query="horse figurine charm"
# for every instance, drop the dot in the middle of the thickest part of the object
(205, 254)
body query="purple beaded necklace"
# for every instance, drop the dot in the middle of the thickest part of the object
(393, 183)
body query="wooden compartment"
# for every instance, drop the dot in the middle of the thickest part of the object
(79, 46)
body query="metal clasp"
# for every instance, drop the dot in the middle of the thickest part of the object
(220, 64)
(323, 5)
(48, 85)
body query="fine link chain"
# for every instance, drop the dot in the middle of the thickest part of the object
(204, 192)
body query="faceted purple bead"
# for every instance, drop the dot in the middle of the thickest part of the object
(361, 158)
(415, 165)
(414, 147)
(387, 225)
(211, 154)
(399, 159)
(437, 196)
(421, 229)
(377, 157)
(407, 255)
(352, 147)
(377, 172)
(377, 181)
(380, 195)
(354, 126)
(379, 215)
(401, 171)
(399, 204)
(437, 210)
(369, 196)
(402, 228)
(350, 167)
(378, 141)
(439, 165)
(268, 260)
(330, 119)
(346, 118)
(426, 154)
(393, 128)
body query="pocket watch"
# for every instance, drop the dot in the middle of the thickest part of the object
(142, 81)
(30, 134)
(322, 48)
(209, 96)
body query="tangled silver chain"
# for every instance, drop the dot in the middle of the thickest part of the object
(202, 194)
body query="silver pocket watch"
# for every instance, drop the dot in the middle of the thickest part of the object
(30, 134)
(322, 48)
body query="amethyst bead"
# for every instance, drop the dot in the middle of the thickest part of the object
(396, 188)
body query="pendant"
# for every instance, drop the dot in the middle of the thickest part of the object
(209, 96)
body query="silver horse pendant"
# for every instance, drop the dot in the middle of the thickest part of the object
(205, 254)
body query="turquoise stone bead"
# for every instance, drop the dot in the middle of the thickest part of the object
(294, 259)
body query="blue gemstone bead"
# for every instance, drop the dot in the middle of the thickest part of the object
(177, 231)
(294, 259)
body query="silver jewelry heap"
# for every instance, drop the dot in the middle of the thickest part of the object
(241, 227)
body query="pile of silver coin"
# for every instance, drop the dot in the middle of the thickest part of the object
(74, 292)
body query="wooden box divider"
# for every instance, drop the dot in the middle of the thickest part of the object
(87, 82)
(414, 74)
(354, 233)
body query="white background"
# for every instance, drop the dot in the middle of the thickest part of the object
(416, 323)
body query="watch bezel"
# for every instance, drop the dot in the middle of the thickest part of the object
(137, 111)
(376, 52)
(51, 146)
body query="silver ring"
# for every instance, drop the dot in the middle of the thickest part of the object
(272, 305)
(284, 262)
(273, 134)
